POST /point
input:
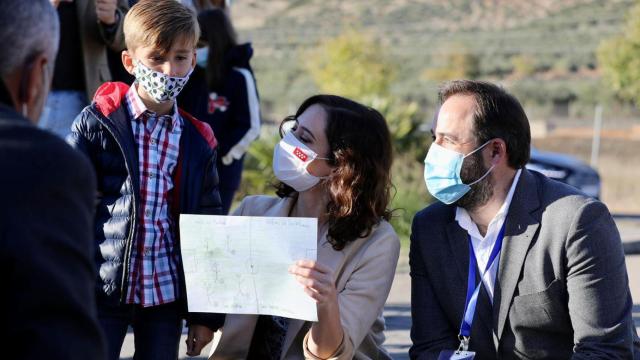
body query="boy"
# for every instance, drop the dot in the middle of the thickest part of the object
(153, 162)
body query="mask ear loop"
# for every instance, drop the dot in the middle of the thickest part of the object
(478, 149)
(488, 171)
(325, 159)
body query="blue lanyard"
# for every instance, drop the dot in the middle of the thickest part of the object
(473, 289)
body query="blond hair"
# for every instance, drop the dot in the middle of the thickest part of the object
(160, 23)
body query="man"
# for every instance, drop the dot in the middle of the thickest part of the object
(90, 30)
(47, 192)
(509, 264)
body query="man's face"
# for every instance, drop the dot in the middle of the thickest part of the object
(454, 125)
(454, 131)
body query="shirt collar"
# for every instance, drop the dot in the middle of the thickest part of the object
(137, 108)
(464, 219)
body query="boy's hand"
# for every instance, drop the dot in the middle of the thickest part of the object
(106, 11)
(199, 336)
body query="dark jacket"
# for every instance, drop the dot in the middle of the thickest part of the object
(103, 132)
(47, 307)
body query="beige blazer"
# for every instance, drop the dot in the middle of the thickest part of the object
(364, 271)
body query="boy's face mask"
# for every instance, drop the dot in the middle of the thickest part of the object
(159, 86)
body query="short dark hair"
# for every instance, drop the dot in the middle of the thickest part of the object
(360, 149)
(498, 114)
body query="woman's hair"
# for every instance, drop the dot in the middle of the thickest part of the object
(218, 33)
(361, 153)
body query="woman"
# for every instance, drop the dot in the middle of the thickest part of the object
(224, 95)
(333, 164)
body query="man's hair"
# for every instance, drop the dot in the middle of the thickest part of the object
(29, 28)
(498, 114)
(160, 23)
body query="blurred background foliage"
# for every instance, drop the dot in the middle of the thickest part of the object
(620, 59)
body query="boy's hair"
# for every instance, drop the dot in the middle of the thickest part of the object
(160, 23)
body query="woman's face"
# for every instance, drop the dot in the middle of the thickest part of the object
(310, 130)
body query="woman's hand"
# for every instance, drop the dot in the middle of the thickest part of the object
(317, 280)
(199, 336)
(326, 334)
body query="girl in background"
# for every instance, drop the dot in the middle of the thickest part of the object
(225, 97)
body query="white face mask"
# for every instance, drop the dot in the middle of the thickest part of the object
(290, 161)
(159, 86)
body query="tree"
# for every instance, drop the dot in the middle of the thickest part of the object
(453, 62)
(619, 58)
(351, 65)
(355, 66)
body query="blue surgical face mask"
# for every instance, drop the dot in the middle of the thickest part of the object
(442, 173)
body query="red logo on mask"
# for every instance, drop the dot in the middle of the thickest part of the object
(300, 154)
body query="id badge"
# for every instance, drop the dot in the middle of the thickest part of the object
(456, 355)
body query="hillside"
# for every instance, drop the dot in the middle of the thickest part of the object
(555, 40)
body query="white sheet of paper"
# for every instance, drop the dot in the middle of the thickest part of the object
(239, 264)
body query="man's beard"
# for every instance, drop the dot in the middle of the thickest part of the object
(480, 193)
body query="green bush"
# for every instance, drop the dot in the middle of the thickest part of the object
(257, 176)
(620, 59)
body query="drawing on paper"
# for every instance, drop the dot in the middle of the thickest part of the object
(239, 264)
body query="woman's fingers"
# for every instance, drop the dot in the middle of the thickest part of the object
(315, 284)
(305, 272)
(316, 279)
(319, 298)
(310, 264)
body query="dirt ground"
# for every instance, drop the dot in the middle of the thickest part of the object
(618, 165)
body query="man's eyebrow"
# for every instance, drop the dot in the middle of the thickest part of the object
(441, 133)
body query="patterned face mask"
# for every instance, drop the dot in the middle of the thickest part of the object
(159, 86)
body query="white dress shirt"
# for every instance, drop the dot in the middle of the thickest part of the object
(482, 246)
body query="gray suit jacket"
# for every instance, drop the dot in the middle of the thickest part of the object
(561, 290)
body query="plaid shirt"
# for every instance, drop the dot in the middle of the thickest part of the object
(153, 275)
